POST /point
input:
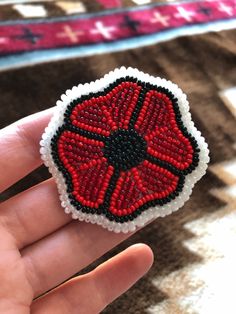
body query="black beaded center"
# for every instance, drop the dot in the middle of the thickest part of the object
(125, 149)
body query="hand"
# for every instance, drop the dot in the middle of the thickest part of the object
(41, 247)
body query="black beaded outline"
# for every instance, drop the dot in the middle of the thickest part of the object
(103, 209)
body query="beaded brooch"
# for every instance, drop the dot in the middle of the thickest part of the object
(123, 150)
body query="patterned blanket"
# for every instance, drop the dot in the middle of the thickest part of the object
(49, 46)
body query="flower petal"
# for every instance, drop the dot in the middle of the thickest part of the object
(89, 171)
(107, 113)
(172, 147)
(157, 111)
(91, 181)
(141, 184)
(75, 149)
(157, 123)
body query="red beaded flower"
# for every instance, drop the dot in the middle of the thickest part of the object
(123, 150)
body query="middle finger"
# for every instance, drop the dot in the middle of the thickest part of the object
(33, 214)
(60, 255)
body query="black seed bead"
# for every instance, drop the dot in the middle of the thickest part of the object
(99, 211)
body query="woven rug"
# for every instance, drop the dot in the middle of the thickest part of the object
(48, 46)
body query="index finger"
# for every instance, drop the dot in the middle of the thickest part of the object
(19, 144)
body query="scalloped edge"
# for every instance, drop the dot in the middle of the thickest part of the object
(152, 212)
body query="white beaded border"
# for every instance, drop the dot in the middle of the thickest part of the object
(153, 212)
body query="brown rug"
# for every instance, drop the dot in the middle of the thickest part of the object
(195, 260)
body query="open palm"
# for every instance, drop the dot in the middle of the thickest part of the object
(41, 247)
